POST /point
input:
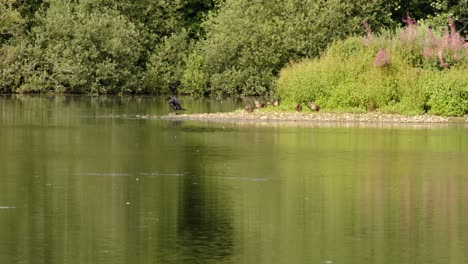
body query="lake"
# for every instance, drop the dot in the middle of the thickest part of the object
(86, 180)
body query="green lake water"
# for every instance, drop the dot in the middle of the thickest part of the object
(86, 180)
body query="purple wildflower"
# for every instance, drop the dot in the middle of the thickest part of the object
(382, 59)
(409, 21)
(368, 30)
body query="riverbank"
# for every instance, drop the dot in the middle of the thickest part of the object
(371, 117)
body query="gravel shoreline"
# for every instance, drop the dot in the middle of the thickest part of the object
(241, 116)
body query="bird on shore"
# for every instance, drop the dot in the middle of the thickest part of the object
(313, 106)
(248, 108)
(174, 103)
(298, 107)
(276, 103)
(258, 104)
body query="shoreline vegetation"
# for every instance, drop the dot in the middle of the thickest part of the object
(413, 71)
(392, 56)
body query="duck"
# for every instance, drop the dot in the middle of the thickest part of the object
(258, 104)
(313, 106)
(298, 107)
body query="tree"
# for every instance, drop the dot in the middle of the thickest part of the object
(11, 21)
(248, 42)
(434, 13)
(167, 64)
(166, 29)
(79, 51)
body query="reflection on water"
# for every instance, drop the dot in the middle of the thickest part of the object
(79, 188)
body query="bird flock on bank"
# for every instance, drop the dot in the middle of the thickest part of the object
(175, 105)
(257, 104)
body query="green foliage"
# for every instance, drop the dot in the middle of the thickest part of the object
(193, 78)
(154, 46)
(73, 51)
(432, 13)
(167, 64)
(448, 94)
(11, 66)
(157, 20)
(347, 78)
(248, 42)
(11, 21)
(28, 10)
(97, 46)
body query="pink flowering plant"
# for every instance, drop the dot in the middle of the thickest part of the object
(422, 47)
(382, 59)
(414, 70)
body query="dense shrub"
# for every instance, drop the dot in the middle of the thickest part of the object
(448, 92)
(97, 46)
(158, 20)
(83, 52)
(154, 46)
(12, 45)
(11, 21)
(432, 13)
(167, 64)
(194, 80)
(248, 42)
(11, 66)
(389, 73)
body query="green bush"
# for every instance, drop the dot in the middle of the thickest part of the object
(19, 61)
(167, 64)
(248, 42)
(11, 21)
(348, 77)
(154, 46)
(97, 46)
(78, 52)
(193, 78)
(448, 92)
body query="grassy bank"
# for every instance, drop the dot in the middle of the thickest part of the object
(412, 71)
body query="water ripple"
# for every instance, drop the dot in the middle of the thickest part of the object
(105, 174)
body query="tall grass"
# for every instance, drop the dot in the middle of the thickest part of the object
(412, 71)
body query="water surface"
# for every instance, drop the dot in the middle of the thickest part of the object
(85, 180)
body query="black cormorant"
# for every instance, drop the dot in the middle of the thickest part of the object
(174, 103)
